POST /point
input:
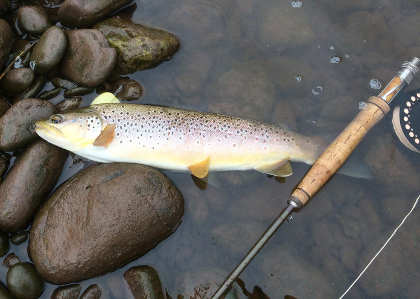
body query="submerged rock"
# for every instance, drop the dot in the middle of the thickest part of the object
(24, 281)
(139, 47)
(28, 183)
(82, 231)
(33, 19)
(89, 59)
(19, 237)
(127, 89)
(16, 124)
(17, 80)
(144, 282)
(4, 106)
(6, 41)
(67, 292)
(4, 292)
(87, 12)
(69, 104)
(48, 52)
(92, 292)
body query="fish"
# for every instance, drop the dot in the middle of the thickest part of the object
(176, 139)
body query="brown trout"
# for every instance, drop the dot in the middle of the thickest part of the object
(176, 139)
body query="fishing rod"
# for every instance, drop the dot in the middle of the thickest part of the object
(331, 160)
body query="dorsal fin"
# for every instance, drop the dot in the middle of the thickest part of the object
(105, 98)
(280, 168)
(200, 169)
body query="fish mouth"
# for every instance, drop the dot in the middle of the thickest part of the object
(42, 128)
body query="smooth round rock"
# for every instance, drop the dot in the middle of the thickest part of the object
(7, 38)
(48, 52)
(24, 281)
(17, 80)
(69, 104)
(28, 183)
(67, 292)
(92, 292)
(16, 124)
(4, 243)
(128, 89)
(82, 231)
(144, 282)
(139, 47)
(19, 237)
(10, 260)
(32, 19)
(33, 90)
(87, 12)
(89, 59)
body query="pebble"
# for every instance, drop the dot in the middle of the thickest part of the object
(144, 282)
(33, 19)
(17, 80)
(23, 281)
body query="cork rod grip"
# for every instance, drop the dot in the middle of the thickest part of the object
(339, 150)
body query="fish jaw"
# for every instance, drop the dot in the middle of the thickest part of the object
(56, 137)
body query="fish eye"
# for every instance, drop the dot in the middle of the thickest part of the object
(56, 118)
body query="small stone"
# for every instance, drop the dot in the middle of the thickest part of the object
(33, 19)
(139, 47)
(69, 104)
(19, 237)
(127, 89)
(49, 94)
(67, 292)
(23, 281)
(63, 83)
(49, 50)
(89, 59)
(92, 292)
(4, 243)
(144, 282)
(10, 260)
(17, 80)
(77, 91)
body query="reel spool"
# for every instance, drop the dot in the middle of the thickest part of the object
(406, 122)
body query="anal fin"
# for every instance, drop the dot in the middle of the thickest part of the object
(280, 168)
(200, 169)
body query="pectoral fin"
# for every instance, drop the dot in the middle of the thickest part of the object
(280, 168)
(106, 136)
(105, 98)
(200, 169)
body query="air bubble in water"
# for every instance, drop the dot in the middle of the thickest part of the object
(299, 78)
(297, 4)
(335, 59)
(316, 91)
(375, 84)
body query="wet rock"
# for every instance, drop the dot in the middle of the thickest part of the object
(391, 167)
(16, 123)
(67, 292)
(7, 38)
(77, 91)
(69, 104)
(82, 231)
(50, 94)
(139, 47)
(89, 59)
(279, 23)
(28, 183)
(4, 163)
(17, 80)
(10, 260)
(32, 19)
(245, 91)
(92, 292)
(84, 13)
(4, 292)
(19, 237)
(33, 90)
(49, 50)
(127, 89)
(300, 282)
(4, 243)
(4, 106)
(23, 281)
(144, 282)
(63, 83)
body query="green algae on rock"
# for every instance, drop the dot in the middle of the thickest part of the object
(139, 47)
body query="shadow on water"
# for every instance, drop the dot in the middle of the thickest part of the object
(307, 67)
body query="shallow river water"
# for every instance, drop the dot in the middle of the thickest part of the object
(308, 65)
